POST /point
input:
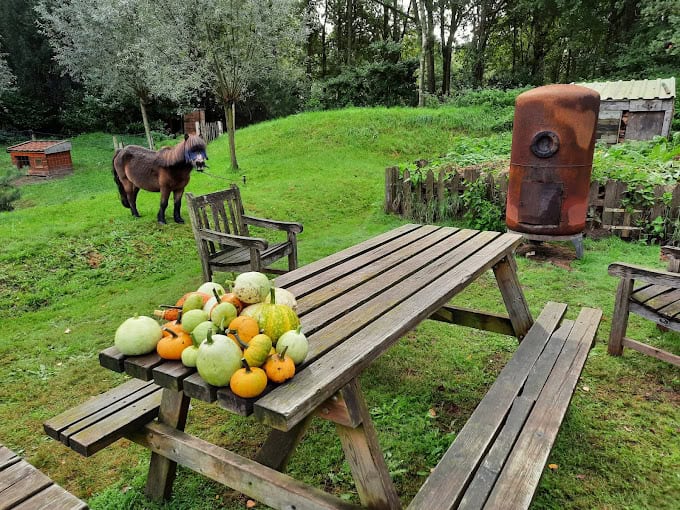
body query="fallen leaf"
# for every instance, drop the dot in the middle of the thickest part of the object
(553, 467)
(627, 428)
(67, 331)
(432, 413)
(581, 477)
(586, 388)
(251, 504)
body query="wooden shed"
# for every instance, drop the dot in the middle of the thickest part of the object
(634, 110)
(190, 120)
(44, 158)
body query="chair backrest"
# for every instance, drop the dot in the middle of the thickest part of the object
(221, 211)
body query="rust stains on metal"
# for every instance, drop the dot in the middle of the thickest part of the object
(553, 139)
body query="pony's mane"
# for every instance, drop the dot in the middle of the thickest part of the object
(170, 156)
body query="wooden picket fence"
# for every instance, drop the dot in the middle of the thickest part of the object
(209, 130)
(607, 203)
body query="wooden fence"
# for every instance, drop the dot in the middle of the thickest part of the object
(610, 206)
(209, 130)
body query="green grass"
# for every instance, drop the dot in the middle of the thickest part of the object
(75, 264)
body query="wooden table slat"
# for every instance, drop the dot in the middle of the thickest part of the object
(372, 260)
(32, 482)
(308, 270)
(51, 498)
(171, 374)
(7, 457)
(141, 367)
(195, 387)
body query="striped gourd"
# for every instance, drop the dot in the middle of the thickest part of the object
(275, 319)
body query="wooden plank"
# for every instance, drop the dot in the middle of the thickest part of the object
(112, 359)
(382, 322)
(343, 408)
(96, 437)
(54, 426)
(313, 268)
(173, 412)
(441, 189)
(105, 412)
(7, 457)
(652, 351)
(334, 280)
(646, 292)
(195, 387)
(51, 498)
(32, 482)
(644, 274)
(429, 187)
(445, 486)
(365, 458)
(664, 300)
(141, 367)
(243, 475)
(391, 183)
(612, 200)
(513, 297)
(13, 474)
(364, 283)
(279, 446)
(517, 482)
(171, 375)
(474, 319)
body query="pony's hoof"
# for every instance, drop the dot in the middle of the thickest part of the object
(179, 220)
(162, 221)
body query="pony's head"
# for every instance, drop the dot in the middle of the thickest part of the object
(195, 151)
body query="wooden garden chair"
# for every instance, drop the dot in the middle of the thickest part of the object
(224, 243)
(656, 297)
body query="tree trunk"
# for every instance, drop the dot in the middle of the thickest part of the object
(429, 55)
(229, 114)
(420, 21)
(145, 120)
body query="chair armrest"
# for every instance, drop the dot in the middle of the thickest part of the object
(233, 240)
(644, 274)
(288, 226)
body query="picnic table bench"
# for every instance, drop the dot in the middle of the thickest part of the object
(353, 306)
(24, 487)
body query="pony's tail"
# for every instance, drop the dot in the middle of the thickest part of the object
(121, 190)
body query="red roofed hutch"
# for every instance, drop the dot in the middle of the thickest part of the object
(43, 157)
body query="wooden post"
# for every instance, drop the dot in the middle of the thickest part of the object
(115, 143)
(220, 129)
(391, 178)
(620, 317)
(365, 458)
(513, 297)
(173, 412)
(407, 195)
(197, 127)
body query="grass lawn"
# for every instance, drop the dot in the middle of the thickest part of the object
(75, 264)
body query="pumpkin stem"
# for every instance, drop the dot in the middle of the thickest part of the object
(217, 296)
(282, 354)
(272, 295)
(173, 307)
(208, 338)
(174, 335)
(238, 338)
(245, 365)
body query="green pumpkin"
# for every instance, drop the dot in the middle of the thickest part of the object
(275, 319)
(257, 350)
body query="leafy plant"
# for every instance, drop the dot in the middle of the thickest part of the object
(8, 192)
(481, 213)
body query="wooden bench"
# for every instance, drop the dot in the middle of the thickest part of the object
(649, 293)
(499, 455)
(24, 487)
(102, 420)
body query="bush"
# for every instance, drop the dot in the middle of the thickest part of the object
(8, 192)
(487, 97)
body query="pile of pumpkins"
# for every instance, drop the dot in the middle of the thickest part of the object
(241, 338)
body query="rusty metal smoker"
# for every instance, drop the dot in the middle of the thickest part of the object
(553, 139)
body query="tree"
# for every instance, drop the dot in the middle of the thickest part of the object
(238, 43)
(6, 76)
(117, 47)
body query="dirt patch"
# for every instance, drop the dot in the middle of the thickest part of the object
(559, 254)
(31, 179)
(94, 259)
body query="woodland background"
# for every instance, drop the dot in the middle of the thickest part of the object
(344, 52)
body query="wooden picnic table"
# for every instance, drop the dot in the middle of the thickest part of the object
(353, 306)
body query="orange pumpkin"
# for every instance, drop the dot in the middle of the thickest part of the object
(279, 367)
(246, 327)
(171, 345)
(170, 313)
(248, 382)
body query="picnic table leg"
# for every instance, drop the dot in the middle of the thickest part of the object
(513, 297)
(364, 456)
(173, 412)
(279, 446)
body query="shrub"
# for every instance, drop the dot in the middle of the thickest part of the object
(8, 192)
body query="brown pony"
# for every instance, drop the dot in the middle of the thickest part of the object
(166, 170)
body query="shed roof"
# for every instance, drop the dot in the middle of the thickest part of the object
(42, 146)
(661, 88)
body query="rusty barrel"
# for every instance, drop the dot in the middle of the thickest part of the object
(553, 139)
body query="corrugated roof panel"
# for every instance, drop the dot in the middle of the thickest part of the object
(662, 88)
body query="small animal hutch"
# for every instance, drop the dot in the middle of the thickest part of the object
(43, 158)
(634, 110)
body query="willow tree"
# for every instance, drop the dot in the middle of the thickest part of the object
(117, 48)
(238, 43)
